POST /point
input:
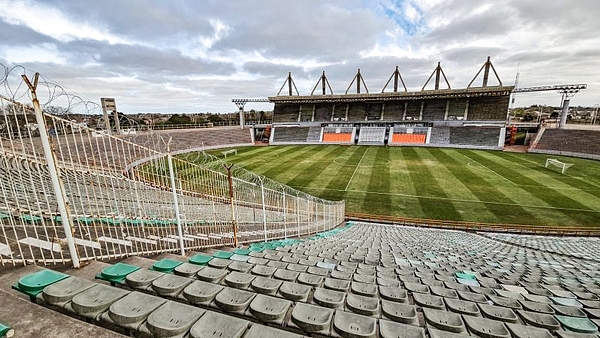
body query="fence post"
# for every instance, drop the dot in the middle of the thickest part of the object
(264, 210)
(57, 186)
(231, 201)
(284, 216)
(175, 198)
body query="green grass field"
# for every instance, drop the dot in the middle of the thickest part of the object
(437, 183)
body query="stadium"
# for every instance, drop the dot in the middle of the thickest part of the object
(388, 214)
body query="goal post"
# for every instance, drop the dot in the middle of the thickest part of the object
(562, 165)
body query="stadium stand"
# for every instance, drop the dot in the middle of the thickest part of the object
(457, 109)
(402, 134)
(357, 111)
(290, 134)
(487, 110)
(286, 113)
(323, 112)
(359, 280)
(337, 134)
(477, 137)
(393, 111)
(373, 111)
(306, 113)
(581, 143)
(371, 135)
(434, 110)
(314, 134)
(413, 110)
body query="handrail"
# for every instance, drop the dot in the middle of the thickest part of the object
(477, 226)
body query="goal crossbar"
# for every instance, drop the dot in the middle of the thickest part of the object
(564, 166)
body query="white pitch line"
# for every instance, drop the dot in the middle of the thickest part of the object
(356, 169)
(490, 169)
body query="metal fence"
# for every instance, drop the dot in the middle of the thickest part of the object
(71, 194)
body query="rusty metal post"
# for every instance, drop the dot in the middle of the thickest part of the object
(232, 202)
(53, 171)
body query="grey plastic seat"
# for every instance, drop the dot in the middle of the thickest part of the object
(59, 293)
(95, 300)
(297, 267)
(312, 319)
(444, 320)
(170, 285)
(315, 270)
(399, 312)
(211, 275)
(286, 275)
(239, 258)
(240, 266)
(364, 289)
(172, 319)
(263, 270)
(348, 324)
(187, 269)
(341, 275)
(435, 333)
(539, 319)
(329, 298)
(443, 292)
(498, 313)
(294, 291)
(257, 260)
(201, 293)
(219, 263)
(388, 329)
(484, 327)
(263, 331)
(425, 300)
(537, 307)
(506, 302)
(309, 279)
(142, 278)
(594, 304)
(393, 294)
(462, 307)
(566, 301)
(537, 299)
(216, 325)
(269, 309)
(367, 306)
(508, 294)
(234, 300)
(336, 284)
(364, 278)
(265, 285)
(472, 297)
(277, 264)
(131, 310)
(239, 280)
(416, 287)
(527, 331)
(384, 281)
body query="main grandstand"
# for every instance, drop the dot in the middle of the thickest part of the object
(113, 235)
(469, 117)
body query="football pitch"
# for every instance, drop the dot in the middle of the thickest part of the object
(436, 183)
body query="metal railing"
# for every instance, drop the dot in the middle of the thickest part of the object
(71, 194)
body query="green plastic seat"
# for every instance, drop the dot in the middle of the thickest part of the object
(116, 273)
(86, 220)
(577, 324)
(3, 215)
(222, 254)
(34, 284)
(6, 331)
(464, 275)
(31, 218)
(165, 265)
(200, 259)
(256, 249)
(243, 252)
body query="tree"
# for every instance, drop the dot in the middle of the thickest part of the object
(179, 119)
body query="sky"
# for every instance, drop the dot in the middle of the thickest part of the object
(190, 56)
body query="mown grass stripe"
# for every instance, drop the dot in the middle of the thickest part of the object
(313, 171)
(548, 195)
(344, 172)
(274, 165)
(482, 190)
(379, 183)
(426, 185)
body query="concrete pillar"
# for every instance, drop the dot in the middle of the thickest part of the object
(563, 115)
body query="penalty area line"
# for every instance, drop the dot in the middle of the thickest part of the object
(356, 169)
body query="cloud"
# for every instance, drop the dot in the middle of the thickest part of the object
(182, 56)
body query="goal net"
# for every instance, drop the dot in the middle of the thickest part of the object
(554, 162)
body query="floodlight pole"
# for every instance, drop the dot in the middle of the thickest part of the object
(59, 191)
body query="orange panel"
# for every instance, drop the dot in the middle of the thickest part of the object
(409, 138)
(339, 137)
